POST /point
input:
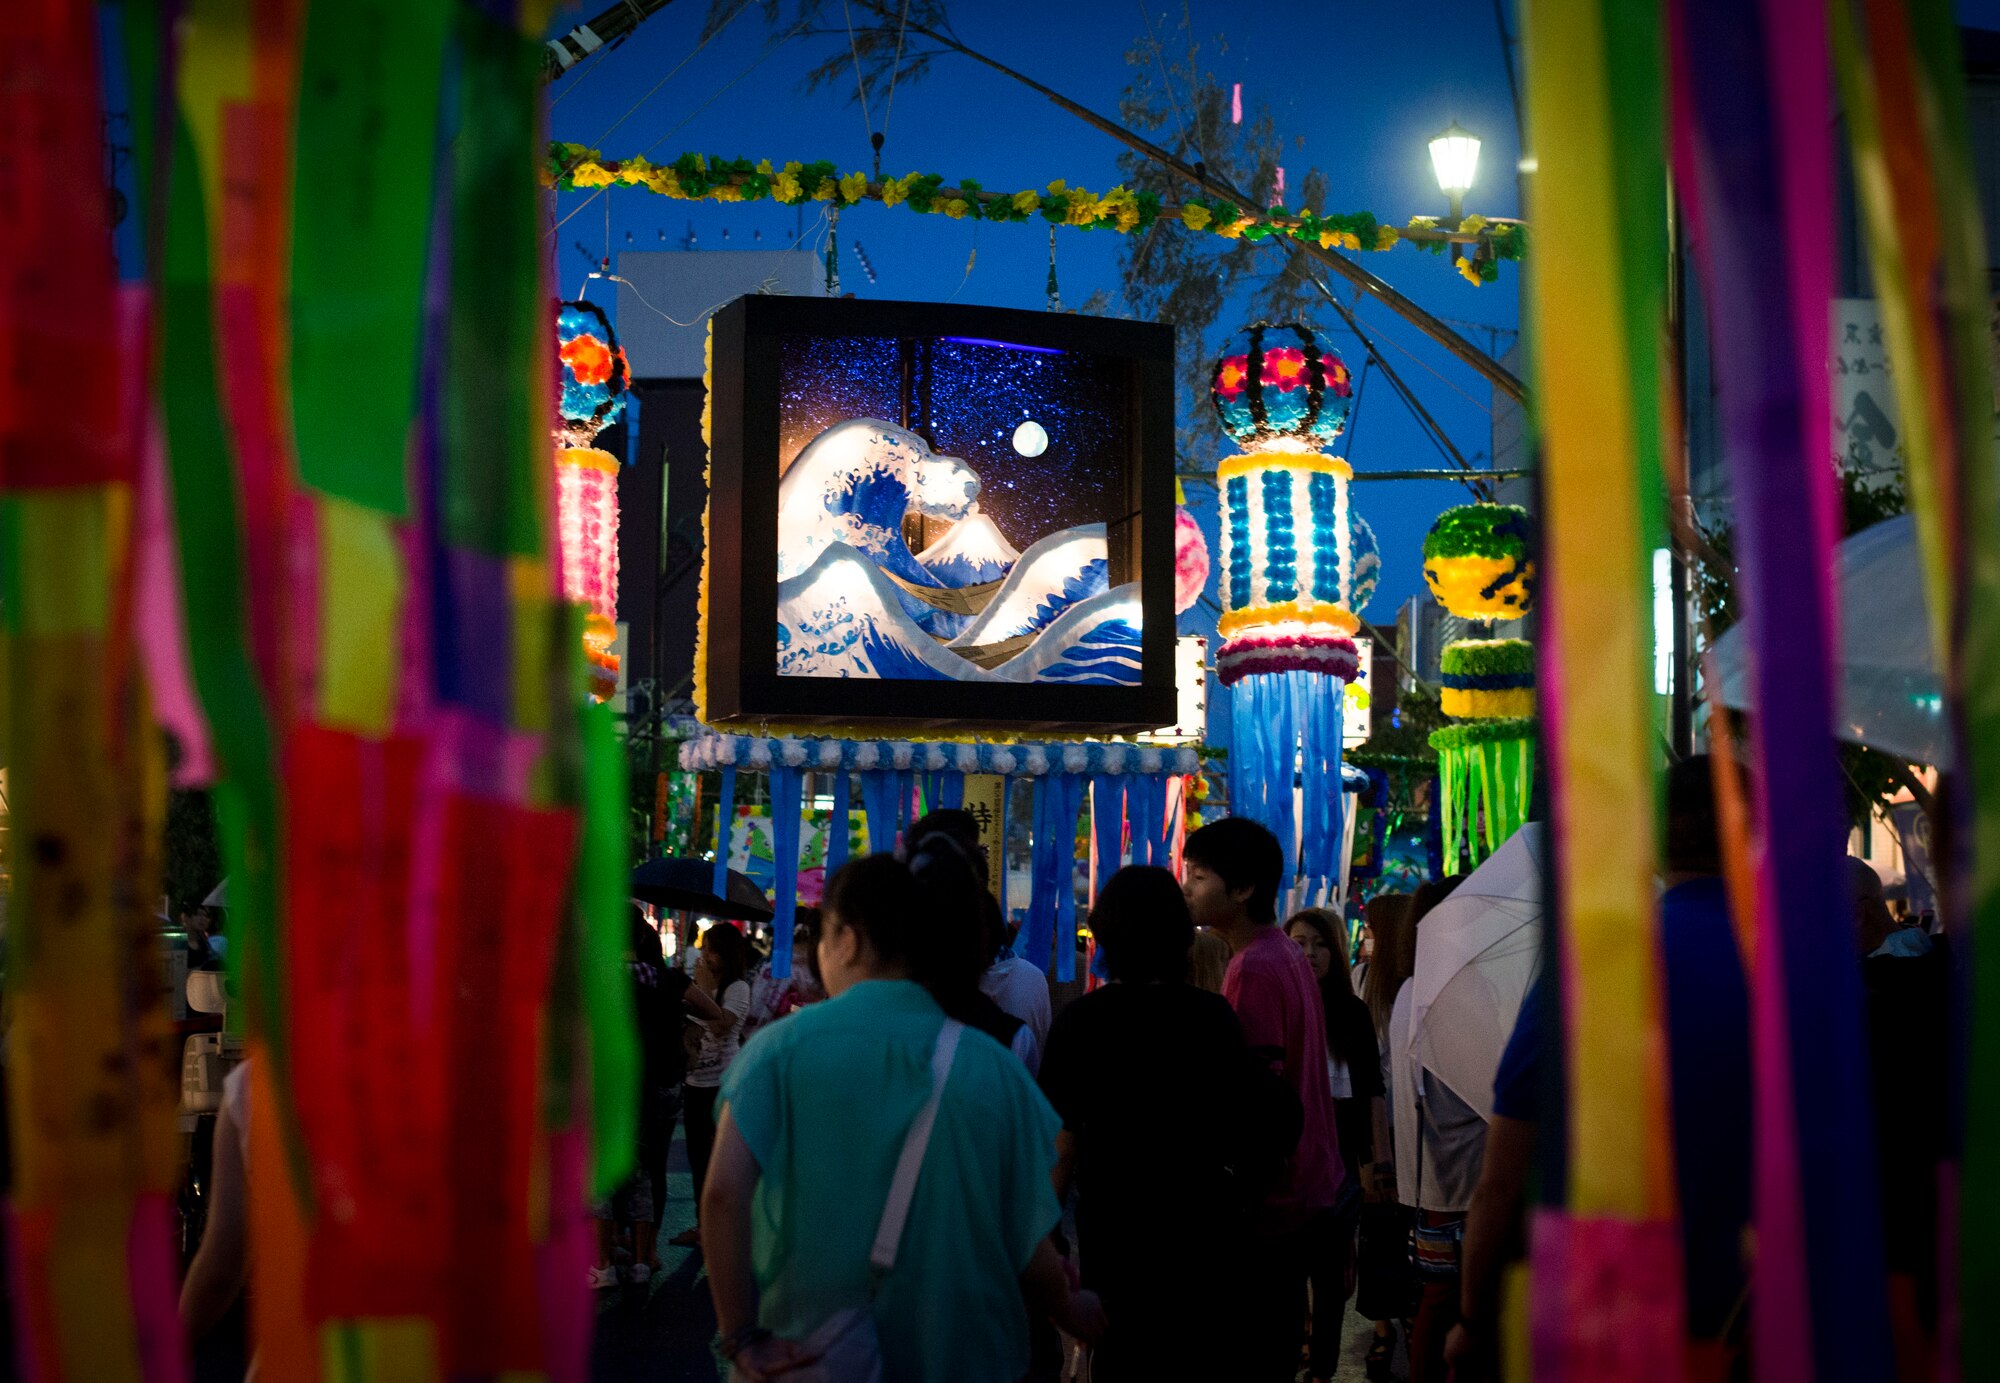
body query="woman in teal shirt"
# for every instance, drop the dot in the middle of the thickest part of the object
(814, 1116)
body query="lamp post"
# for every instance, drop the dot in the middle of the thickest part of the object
(1455, 160)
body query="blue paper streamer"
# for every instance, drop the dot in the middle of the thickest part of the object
(1051, 920)
(725, 817)
(953, 793)
(1107, 824)
(836, 833)
(785, 850)
(878, 800)
(1068, 792)
(1037, 933)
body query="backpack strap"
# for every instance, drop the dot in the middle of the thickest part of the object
(903, 1187)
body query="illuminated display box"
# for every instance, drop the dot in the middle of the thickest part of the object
(939, 517)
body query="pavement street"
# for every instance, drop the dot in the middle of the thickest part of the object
(662, 1332)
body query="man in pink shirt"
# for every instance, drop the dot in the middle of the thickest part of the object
(1231, 873)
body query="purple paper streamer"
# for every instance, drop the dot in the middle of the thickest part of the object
(1754, 136)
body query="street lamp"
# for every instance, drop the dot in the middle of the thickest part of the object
(1455, 159)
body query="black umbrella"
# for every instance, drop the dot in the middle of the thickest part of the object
(690, 884)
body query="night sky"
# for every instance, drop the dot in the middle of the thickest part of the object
(1361, 88)
(1364, 88)
(979, 394)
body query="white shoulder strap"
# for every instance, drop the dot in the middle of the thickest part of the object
(903, 1189)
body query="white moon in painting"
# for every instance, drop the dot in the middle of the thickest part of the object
(1030, 439)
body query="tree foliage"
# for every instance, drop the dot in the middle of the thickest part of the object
(1174, 275)
(877, 49)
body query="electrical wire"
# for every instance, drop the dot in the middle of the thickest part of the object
(577, 75)
(1360, 393)
(860, 87)
(902, 28)
(711, 37)
(769, 285)
(1442, 378)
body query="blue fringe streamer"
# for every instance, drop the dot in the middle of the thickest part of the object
(785, 852)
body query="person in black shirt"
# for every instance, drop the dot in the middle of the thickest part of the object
(660, 996)
(1144, 1072)
(1354, 1069)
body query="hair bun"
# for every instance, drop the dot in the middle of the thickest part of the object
(934, 847)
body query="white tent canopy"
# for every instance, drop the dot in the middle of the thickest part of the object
(1891, 697)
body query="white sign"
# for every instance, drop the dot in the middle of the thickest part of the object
(1867, 433)
(1191, 694)
(1357, 713)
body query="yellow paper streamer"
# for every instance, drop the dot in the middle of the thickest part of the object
(361, 604)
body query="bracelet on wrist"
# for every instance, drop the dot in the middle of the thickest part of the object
(742, 1338)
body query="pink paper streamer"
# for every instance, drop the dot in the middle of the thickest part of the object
(159, 625)
(154, 1282)
(1605, 1291)
(1802, 107)
(23, 1298)
(562, 1260)
(467, 754)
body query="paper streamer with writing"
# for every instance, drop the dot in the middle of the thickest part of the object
(505, 878)
(368, 132)
(95, 1156)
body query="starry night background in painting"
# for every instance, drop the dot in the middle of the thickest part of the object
(967, 398)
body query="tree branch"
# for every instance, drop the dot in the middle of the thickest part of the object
(1500, 377)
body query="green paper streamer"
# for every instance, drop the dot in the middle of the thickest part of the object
(367, 121)
(601, 897)
(207, 522)
(496, 457)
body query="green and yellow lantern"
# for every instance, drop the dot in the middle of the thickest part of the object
(1479, 561)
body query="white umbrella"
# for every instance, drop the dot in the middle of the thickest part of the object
(1890, 695)
(1477, 954)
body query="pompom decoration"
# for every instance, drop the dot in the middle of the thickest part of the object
(1478, 563)
(593, 379)
(587, 523)
(1297, 565)
(1281, 388)
(594, 375)
(1488, 679)
(1190, 561)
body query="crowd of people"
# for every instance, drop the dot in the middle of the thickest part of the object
(1195, 1168)
(904, 1160)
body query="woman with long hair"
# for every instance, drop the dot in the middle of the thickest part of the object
(1386, 1290)
(721, 973)
(816, 1117)
(1354, 1071)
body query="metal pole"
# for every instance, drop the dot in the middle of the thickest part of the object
(610, 28)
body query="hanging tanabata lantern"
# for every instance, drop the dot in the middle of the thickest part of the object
(1478, 562)
(1297, 567)
(594, 380)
